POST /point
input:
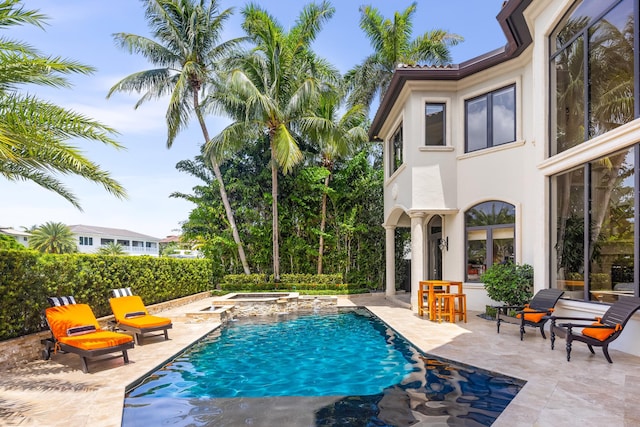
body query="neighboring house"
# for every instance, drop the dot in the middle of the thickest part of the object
(21, 237)
(90, 239)
(183, 249)
(528, 153)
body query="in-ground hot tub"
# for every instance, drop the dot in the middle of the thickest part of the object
(214, 313)
(261, 296)
(270, 303)
(259, 303)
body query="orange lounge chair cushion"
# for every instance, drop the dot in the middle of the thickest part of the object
(121, 306)
(531, 317)
(133, 305)
(600, 334)
(145, 322)
(97, 340)
(65, 317)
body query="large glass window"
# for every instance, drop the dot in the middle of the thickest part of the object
(595, 215)
(491, 119)
(592, 72)
(490, 228)
(568, 198)
(434, 124)
(395, 150)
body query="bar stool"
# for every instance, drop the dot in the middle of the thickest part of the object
(461, 309)
(445, 306)
(461, 300)
(426, 292)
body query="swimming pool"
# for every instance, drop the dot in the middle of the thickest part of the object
(346, 368)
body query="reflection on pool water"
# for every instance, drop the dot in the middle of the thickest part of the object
(347, 368)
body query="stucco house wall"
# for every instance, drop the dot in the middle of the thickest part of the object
(446, 181)
(90, 238)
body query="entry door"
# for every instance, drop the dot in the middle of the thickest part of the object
(434, 255)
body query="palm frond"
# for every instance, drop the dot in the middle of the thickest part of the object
(286, 150)
(309, 23)
(51, 122)
(153, 51)
(33, 132)
(12, 15)
(230, 140)
(17, 172)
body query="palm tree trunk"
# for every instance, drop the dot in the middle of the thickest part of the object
(230, 218)
(223, 192)
(274, 210)
(323, 221)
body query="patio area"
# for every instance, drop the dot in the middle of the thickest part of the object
(586, 391)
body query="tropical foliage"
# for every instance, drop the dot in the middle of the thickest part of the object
(53, 238)
(509, 283)
(392, 45)
(8, 242)
(111, 248)
(186, 50)
(352, 235)
(35, 134)
(335, 136)
(271, 90)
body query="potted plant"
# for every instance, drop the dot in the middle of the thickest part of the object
(509, 283)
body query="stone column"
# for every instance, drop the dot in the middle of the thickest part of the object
(417, 256)
(390, 251)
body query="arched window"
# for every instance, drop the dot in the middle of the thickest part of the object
(490, 236)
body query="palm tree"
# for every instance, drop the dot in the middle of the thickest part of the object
(392, 44)
(339, 135)
(186, 50)
(34, 134)
(111, 248)
(270, 90)
(53, 238)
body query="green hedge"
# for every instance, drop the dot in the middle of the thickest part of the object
(27, 278)
(305, 283)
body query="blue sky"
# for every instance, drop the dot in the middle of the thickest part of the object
(82, 30)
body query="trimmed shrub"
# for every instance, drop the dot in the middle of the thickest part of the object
(509, 283)
(27, 278)
(304, 283)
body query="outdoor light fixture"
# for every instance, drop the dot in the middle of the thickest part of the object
(444, 244)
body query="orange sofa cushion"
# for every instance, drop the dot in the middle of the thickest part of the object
(133, 304)
(600, 334)
(531, 317)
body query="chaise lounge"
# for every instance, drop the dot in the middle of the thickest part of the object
(534, 314)
(75, 329)
(596, 331)
(131, 315)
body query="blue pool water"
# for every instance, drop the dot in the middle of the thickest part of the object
(347, 368)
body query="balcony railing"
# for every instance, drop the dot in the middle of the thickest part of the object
(141, 249)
